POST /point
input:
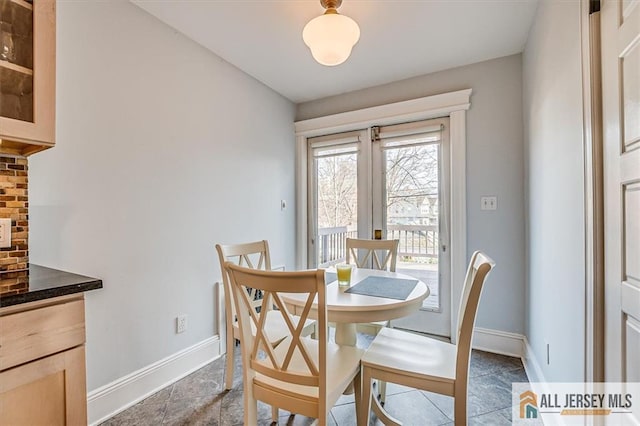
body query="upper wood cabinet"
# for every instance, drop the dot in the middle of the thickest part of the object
(27, 76)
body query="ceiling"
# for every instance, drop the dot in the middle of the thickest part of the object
(399, 38)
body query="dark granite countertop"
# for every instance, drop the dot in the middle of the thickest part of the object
(42, 283)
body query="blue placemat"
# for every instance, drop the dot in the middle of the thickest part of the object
(392, 288)
(330, 277)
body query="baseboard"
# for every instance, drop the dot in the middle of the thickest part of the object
(537, 379)
(500, 342)
(531, 365)
(114, 397)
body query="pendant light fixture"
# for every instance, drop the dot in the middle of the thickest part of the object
(331, 36)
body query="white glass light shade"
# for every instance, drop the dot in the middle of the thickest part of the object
(331, 37)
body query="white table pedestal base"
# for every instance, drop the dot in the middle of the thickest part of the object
(346, 334)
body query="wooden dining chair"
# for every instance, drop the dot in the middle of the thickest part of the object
(424, 363)
(302, 375)
(383, 254)
(374, 254)
(253, 255)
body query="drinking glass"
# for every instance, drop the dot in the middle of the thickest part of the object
(7, 48)
(344, 274)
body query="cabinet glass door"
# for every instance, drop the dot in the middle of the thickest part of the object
(27, 75)
(16, 60)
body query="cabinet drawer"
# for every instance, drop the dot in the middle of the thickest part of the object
(32, 334)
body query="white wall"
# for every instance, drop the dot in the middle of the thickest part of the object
(163, 150)
(494, 167)
(555, 185)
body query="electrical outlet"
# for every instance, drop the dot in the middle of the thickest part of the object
(5, 233)
(181, 324)
(489, 203)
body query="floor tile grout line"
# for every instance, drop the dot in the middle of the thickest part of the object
(166, 404)
(435, 405)
(334, 418)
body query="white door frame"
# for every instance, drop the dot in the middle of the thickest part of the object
(594, 193)
(454, 105)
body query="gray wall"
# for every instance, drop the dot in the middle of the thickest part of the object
(554, 184)
(163, 149)
(494, 167)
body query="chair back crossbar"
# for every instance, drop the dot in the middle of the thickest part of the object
(382, 254)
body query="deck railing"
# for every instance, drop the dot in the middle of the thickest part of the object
(332, 244)
(416, 241)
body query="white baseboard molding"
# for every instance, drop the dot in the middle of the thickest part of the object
(531, 365)
(114, 397)
(537, 379)
(499, 342)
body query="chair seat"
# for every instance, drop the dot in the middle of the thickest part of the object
(275, 327)
(408, 354)
(343, 363)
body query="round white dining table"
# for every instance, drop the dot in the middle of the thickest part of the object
(348, 309)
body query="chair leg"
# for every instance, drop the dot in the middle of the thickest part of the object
(384, 417)
(460, 410)
(250, 408)
(228, 378)
(274, 413)
(365, 399)
(357, 387)
(382, 391)
(382, 386)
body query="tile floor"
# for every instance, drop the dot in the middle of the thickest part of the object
(200, 399)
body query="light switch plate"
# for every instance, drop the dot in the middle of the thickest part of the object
(5, 233)
(489, 203)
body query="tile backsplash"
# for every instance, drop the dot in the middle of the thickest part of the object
(14, 204)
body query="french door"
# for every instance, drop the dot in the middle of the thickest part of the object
(389, 182)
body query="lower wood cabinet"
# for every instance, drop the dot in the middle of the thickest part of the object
(48, 391)
(42, 363)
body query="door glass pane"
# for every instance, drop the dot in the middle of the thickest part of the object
(412, 212)
(336, 204)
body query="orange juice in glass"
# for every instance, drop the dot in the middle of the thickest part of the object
(344, 274)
